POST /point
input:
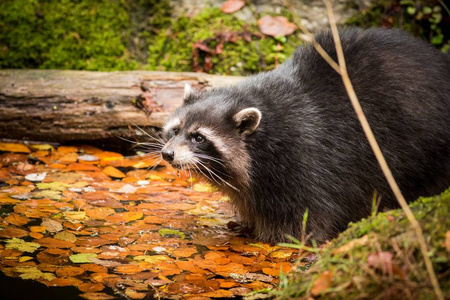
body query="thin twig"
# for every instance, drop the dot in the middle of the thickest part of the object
(377, 151)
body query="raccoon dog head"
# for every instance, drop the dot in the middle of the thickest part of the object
(207, 135)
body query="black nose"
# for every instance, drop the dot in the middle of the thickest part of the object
(168, 155)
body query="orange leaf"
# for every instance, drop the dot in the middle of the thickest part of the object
(322, 283)
(53, 256)
(113, 172)
(284, 266)
(90, 149)
(218, 294)
(94, 268)
(14, 147)
(102, 277)
(36, 235)
(59, 282)
(12, 232)
(222, 260)
(99, 213)
(131, 293)
(69, 271)
(271, 271)
(129, 269)
(6, 200)
(10, 253)
(88, 287)
(214, 255)
(81, 167)
(226, 270)
(232, 6)
(66, 149)
(54, 243)
(16, 219)
(184, 252)
(236, 258)
(125, 217)
(226, 284)
(97, 296)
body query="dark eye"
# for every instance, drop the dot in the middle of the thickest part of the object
(197, 138)
(175, 131)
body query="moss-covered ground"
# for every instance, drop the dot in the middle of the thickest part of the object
(143, 34)
(127, 35)
(86, 35)
(379, 258)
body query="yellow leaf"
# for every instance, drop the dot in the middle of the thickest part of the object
(42, 147)
(21, 245)
(32, 272)
(54, 186)
(25, 258)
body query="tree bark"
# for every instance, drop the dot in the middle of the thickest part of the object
(61, 105)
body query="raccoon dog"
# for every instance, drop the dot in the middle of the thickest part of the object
(288, 140)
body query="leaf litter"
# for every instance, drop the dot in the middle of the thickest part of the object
(93, 219)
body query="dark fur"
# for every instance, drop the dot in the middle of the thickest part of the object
(309, 150)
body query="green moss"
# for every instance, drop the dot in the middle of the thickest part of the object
(172, 49)
(64, 34)
(427, 19)
(124, 35)
(352, 275)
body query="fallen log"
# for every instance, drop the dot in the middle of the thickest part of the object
(62, 106)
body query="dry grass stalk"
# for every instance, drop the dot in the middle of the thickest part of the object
(341, 68)
(377, 151)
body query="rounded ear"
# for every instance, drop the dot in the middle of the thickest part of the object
(247, 120)
(188, 91)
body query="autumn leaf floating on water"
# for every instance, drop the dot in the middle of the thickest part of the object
(93, 219)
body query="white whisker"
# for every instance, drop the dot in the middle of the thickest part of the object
(214, 174)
